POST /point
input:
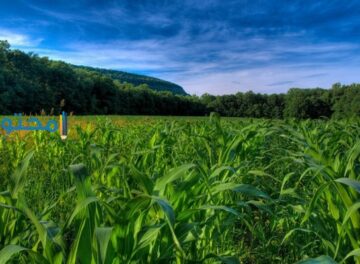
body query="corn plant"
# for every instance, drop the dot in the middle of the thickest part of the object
(180, 191)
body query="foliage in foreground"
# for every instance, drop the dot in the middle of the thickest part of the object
(178, 192)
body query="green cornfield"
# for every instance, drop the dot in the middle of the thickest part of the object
(204, 190)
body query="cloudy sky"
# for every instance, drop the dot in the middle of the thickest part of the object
(213, 46)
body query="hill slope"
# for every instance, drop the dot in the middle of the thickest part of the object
(31, 84)
(137, 79)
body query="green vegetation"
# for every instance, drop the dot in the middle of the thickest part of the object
(198, 191)
(30, 84)
(341, 101)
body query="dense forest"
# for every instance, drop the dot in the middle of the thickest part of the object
(341, 101)
(31, 84)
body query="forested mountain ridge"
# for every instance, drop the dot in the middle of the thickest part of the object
(137, 79)
(32, 84)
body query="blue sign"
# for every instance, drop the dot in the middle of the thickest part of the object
(33, 124)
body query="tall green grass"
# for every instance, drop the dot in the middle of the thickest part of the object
(205, 191)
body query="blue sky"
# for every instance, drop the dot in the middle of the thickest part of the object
(213, 46)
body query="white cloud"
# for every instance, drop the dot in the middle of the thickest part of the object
(18, 39)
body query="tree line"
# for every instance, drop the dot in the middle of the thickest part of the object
(31, 84)
(341, 101)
